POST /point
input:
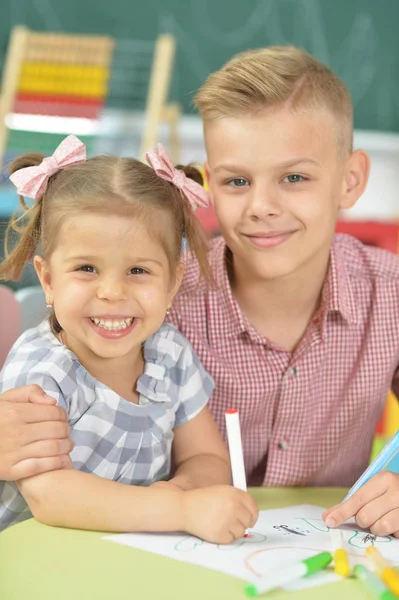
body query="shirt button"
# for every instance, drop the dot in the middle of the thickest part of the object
(283, 445)
(293, 372)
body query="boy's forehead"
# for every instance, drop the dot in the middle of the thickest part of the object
(270, 136)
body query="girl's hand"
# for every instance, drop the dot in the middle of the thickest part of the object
(375, 506)
(218, 514)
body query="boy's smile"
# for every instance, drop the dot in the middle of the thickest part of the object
(269, 239)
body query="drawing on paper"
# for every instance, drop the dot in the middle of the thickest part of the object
(280, 537)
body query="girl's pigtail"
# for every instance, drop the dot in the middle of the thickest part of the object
(23, 231)
(194, 233)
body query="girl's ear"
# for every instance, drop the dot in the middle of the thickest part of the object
(44, 276)
(177, 282)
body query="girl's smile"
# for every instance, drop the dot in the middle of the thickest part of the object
(114, 329)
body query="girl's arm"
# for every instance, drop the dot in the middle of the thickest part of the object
(200, 457)
(218, 514)
(80, 500)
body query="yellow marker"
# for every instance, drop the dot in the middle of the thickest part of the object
(341, 561)
(388, 575)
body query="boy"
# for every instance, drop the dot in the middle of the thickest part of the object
(301, 333)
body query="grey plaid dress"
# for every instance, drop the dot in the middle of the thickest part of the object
(115, 439)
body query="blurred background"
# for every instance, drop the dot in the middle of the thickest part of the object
(121, 75)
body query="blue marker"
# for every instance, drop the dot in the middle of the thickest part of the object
(379, 464)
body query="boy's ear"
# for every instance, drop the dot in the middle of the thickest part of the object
(357, 174)
(208, 179)
(44, 276)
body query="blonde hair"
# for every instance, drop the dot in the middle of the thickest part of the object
(108, 185)
(273, 76)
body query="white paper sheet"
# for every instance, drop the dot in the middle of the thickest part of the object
(269, 546)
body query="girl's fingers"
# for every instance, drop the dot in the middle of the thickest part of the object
(252, 508)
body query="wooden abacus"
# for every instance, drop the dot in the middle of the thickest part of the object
(68, 76)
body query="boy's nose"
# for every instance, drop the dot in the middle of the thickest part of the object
(264, 203)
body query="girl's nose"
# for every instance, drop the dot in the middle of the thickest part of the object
(111, 289)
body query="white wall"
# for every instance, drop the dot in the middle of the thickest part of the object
(120, 134)
(381, 198)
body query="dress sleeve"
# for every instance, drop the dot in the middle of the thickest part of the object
(196, 385)
(26, 366)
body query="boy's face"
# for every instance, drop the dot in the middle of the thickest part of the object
(277, 181)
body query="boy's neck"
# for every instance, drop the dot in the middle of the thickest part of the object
(281, 309)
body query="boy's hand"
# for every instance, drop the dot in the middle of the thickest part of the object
(218, 514)
(33, 434)
(375, 506)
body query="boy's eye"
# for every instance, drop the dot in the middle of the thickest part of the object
(138, 271)
(238, 182)
(293, 178)
(87, 269)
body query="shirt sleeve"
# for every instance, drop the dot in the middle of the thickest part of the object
(24, 368)
(196, 386)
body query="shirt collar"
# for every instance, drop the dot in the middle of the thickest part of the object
(337, 295)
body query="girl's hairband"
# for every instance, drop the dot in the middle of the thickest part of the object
(31, 182)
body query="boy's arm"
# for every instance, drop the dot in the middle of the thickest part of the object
(200, 456)
(80, 500)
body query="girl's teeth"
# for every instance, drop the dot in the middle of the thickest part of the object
(113, 325)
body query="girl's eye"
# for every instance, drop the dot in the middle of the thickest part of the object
(238, 182)
(87, 269)
(293, 178)
(138, 271)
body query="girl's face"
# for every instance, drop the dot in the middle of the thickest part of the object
(110, 283)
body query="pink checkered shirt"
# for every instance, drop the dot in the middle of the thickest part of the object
(307, 417)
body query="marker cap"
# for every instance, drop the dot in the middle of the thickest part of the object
(318, 562)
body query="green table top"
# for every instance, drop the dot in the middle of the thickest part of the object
(38, 562)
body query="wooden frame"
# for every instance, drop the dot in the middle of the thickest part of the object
(157, 109)
(9, 85)
(27, 47)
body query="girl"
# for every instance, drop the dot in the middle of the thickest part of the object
(135, 392)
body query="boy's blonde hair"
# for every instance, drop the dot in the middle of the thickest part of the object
(273, 76)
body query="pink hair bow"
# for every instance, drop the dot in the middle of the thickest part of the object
(160, 161)
(31, 182)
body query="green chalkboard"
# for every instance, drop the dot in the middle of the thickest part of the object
(358, 39)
